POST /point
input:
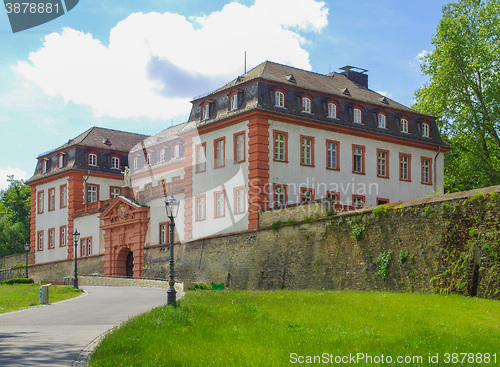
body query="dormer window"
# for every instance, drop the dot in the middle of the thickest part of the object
(306, 104)
(149, 159)
(206, 112)
(332, 110)
(279, 99)
(60, 161)
(382, 121)
(357, 115)
(115, 162)
(136, 163)
(162, 155)
(177, 151)
(425, 130)
(92, 159)
(404, 125)
(44, 166)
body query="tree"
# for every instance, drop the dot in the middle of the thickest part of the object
(464, 91)
(15, 204)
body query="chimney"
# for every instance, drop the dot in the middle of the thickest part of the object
(356, 75)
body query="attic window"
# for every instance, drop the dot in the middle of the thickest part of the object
(291, 78)
(346, 91)
(384, 100)
(107, 142)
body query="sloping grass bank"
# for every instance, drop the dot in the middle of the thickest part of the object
(267, 328)
(18, 296)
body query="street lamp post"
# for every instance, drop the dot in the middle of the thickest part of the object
(171, 207)
(76, 238)
(27, 249)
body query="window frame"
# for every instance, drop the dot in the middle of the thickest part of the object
(277, 101)
(407, 125)
(235, 147)
(285, 195)
(334, 103)
(401, 155)
(235, 202)
(115, 158)
(362, 197)
(311, 138)
(382, 120)
(63, 235)
(386, 201)
(205, 111)
(111, 188)
(422, 159)
(90, 159)
(360, 109)
(363, 152)
(40, 202)
(216, 213)
(197, 212)
(386, 163)
(426, 130)
(40, 240)
(199, 164)
(60, 160)
(44, 165)
(336, 193)
(63, 194)
(51, 204)
(306, 102)
(234, 101)
(216, 162)
(306, 189)
(285, 146)
(97, 192)
(337, 155)
(166, 239)
(51, 244)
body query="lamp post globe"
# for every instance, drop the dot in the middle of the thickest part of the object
(76, 238)
(172, 208)
(27, 249)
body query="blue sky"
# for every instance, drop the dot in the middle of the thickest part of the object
(135, 66)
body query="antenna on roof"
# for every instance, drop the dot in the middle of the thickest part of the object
(245, 63)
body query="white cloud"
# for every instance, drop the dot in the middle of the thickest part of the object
(155, 63)
(423, 53)
(18, 173)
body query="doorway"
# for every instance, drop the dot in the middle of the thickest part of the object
(129, 268)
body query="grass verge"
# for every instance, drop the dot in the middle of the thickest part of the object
(18, 296)
(265, 328)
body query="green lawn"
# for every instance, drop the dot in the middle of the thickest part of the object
(211, 328)
(18, 296)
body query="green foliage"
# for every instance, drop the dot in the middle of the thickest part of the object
(403, 256)
(18, 281)
(382, 262)
(380, 210)
(291, 222)
(276, 225)
(307, 219)
(357, 231)
(201, 287)
(464, 92)
(15, 203)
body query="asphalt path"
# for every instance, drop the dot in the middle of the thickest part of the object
(55, 334)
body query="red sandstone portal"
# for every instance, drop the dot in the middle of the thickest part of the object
(125, 225)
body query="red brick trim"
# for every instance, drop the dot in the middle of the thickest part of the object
(75, 199)
(188, 184)
(386, 201)
(33, 235)
(258, 168)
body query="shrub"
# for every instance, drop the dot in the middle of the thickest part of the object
(357, 231)
(18, 281)
(380, 210)
(201, 286)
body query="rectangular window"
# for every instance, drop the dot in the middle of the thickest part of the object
(115, 163)
(162, 155)
(332, 154)
(163, 233)
(83, 247)
(280, 146)
(332, 195)
(40, 241)
(92, 193)
(205, 114)
(239, 200)
(280, 196)
(279, 99)
(200, 208)
(239, 147)
(89, 246)
(114, 192)
(381, 121)
(177, 150)
(60, 161)
(63, 196)
(358, 201)
(358, 159)
(40, 202)
(149, 159)
(201, 160)
(234, 102)
(382, 163)
(426, 170)
(307, 151)
(52, 199)
(219, 204)
(44, 166)
(357, 116)
(381, 201)
(306, 195)
(404, 167)
(62, 236)
(404, 125)
(332, 110)
(219, 152)
(136, 163)
(306, 105)
(52, 238)
(425, 130)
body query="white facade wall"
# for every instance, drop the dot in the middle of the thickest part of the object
(104, 185)
(215, 180)
(89, 226)
(345, 181)
(155, 173)
(51, 219)
(157, 215)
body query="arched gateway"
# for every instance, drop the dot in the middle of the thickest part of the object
(125, 224)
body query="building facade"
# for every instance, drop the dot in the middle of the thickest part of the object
(273, 137)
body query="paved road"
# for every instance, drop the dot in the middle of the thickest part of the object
(54, 335)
